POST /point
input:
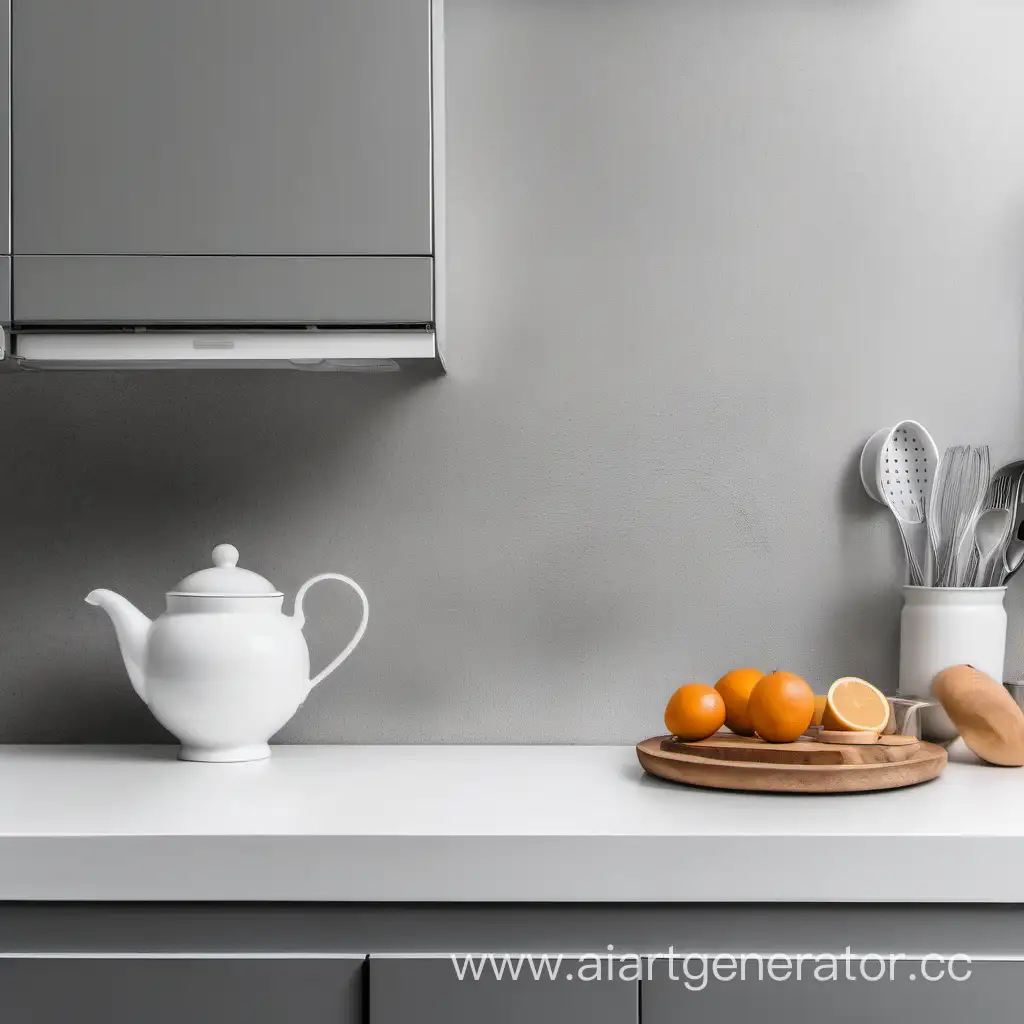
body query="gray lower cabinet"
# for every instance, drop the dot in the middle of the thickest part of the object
(5, 290)
(181, 990)
(993, 993)
(428, 990)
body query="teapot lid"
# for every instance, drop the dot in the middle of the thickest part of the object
(225, 579)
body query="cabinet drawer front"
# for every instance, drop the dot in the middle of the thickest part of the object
(200, 990)
(222, 126)
(428, 991)
(5, 289)
(222, 289)
(993, 993)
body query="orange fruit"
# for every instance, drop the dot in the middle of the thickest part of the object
(854, 704)
(819, 708)
(781, 707)
(735, 688)
(694, 712)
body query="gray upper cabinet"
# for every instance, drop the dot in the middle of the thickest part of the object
(428, 991)
(253, 990)
(5, 126)
(221, 127)
(5, 164)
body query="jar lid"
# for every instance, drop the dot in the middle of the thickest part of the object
(225, 579)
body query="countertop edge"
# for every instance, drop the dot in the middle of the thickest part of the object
(408, 824)
(514, 869)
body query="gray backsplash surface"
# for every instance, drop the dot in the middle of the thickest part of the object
(700, 250)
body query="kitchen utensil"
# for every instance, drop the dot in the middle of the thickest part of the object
(1004, 492)
(943, 626)
(973, 488)
(977, 488)
(1014, 561)
(806, 766)
(904, 717)
(1013, 553)
(897, 469)
(971, 567)
(939, 516)
(223, 668)
(990, 722)
(925, 719)
(990, 536)
(958, 492)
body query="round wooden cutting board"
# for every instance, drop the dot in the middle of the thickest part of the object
(724, 761)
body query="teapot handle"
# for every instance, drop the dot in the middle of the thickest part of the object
(300, 620)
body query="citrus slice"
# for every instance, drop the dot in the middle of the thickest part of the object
(855, 705)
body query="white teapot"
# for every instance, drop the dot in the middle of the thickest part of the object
(223, 668)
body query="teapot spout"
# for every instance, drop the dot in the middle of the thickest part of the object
(132, 628)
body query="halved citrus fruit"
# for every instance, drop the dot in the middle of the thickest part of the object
(854, 705)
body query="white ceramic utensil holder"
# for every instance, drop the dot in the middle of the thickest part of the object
(944, 626)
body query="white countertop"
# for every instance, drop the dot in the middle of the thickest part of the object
(572, 824)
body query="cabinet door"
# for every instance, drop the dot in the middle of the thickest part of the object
(993, 994)
(176, 990)
(238, 127)
(428, 991)
(5, 164)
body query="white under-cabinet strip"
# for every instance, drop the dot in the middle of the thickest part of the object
(154, 348)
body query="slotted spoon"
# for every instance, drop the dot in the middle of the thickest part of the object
(897, 468)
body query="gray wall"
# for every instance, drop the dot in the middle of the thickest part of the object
(700, 250)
